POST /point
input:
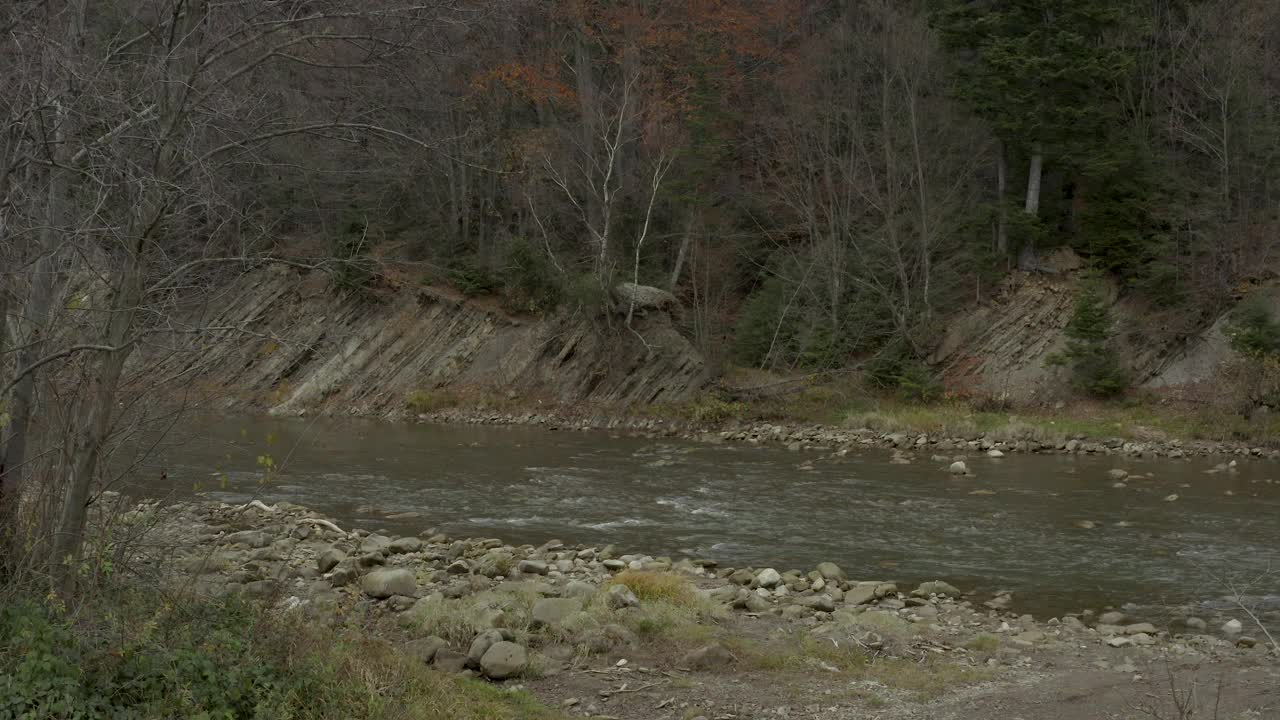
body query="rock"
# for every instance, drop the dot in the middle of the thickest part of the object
(741, 577)
(371, 560)
(831, 571)
(404, 545)
(387, 582)
(532, 567)
(503, 660)
(481, 644)
(1113, 617)
(614, 565)
(822, 603)
(1232, 627)
(458, 567)
(863, 593)
(343, 576)
(793, 612)
(993, 453)
(329, 559)
(768, 578)
(958, 468)
(707, 657)
(1002, 601)
(251, 538)
(424, 649)
(1245, 641)
(579, 589)
(1171, 498)
(1117, 641)
(450, 661)
(1141, 628)
(936, 587)
(1030, 637)
(1142, 639)
(552, 611)
(621, 596)
(1117, 474)
(375, 544)
(1195, 623)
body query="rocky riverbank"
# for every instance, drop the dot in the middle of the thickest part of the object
(586, 627)
(823, 437)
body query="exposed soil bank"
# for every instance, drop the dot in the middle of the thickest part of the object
(604, 633)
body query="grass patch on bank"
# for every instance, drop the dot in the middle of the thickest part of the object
(137, 656)
(660, 586)
(805, 653)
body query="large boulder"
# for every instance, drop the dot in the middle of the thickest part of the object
(503, 660)
(549, 612)
(424, 649)
(831, 571)
(387, 582)
(768, 578)
(621, 596)
(481, 644)
(644, 297)
(329, 559)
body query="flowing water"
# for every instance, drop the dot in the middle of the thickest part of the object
(1016, 524)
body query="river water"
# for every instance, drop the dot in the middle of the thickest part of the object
(1016, 524)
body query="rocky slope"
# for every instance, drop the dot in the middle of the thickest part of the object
(291, 346)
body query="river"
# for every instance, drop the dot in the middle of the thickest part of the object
(1015, 525)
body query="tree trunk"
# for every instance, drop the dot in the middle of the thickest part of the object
(1033, 180)
(682, 252)
(1002, 212)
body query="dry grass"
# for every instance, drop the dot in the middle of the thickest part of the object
(658, 586)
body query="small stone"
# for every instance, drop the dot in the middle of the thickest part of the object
(375, 544)
(1245, 641)
(768, 578)
(424, 649)
(1142, 639)
(708, 657)
(1119, 642)
(458, 567)
(936, 587)
(449, 661)
(620, 596)
(831, 571)
(404, 545)
(1195, 623)
(1171, 498)
(993, 453)
(822, 603)
(579, 589)
(1233, 627)
(613, 565)
(532, 567)
(250, 538)
(1117, 474)
(958, 468)
(388, 582)
(1138, 628)
(1113, 617)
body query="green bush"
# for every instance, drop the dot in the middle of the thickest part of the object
(896, 368)
(532, 283)
(138, 657)
(473, 279)
(1253, 330)
(354, 270)
(1095, 365)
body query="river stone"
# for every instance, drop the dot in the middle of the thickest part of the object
(329, 559)
(579, 589)
(375, 544)
(1195, 623)
(252, 538)
(993, 453)
(370, 560)
(768, 578)
(936, 587)
(387, 582)
(424, 649)
(404, 545)
(553, 611)
(621, 596)
(707, 657)
(532, 567)
(831, 571)
(614, 565)
(481, 644)
(1119, 642)
(503, 660)
(823, 603)
(958, 468)
(1232, 627)
(741, 577)
(458, 567)
(1117, 474)
(343, 575)
(1113, 617)
(1136, 628)
(1142, 639)
(450, 661)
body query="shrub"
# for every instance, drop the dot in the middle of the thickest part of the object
(1252, 331)
(134, 658)
(896, 368)
(1095, 365)
(651, 586)
(532, 284)
(473, 279)
(427, 401)
(355, 271)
